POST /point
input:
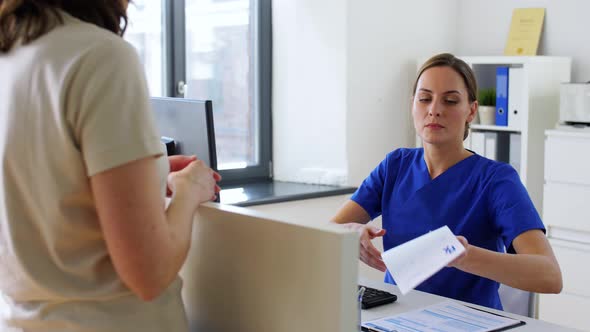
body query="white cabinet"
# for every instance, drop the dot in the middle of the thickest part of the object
(520, 143)
(566, 214)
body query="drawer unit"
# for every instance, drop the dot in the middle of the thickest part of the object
(567, 205)
(565, 309)
(572, 258)
(566, 212)
(567, 159)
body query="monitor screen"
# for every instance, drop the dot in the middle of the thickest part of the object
(247, 272)
(189, 125)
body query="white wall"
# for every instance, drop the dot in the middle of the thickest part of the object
(385, 37)
(484, 26)
(309, 86)
(343, 70)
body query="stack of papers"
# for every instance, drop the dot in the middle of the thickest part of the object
(413, 262)
(447, 316)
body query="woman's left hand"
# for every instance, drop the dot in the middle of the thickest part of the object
(461, 259)
(177, 163)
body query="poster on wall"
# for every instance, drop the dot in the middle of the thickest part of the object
(525, 31)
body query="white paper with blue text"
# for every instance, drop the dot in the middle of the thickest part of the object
(447, 316)
(413, 262)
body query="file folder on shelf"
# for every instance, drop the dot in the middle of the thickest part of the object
(497, 146)
(502, 96)
(514, 154)
(503, 147)
(490, 145)
(467, 142)
(515, 97)
(478, 144)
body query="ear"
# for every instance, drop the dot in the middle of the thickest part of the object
(472, 111)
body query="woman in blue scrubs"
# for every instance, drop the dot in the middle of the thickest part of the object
(482, 201)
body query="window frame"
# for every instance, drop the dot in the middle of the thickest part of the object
(175, 75)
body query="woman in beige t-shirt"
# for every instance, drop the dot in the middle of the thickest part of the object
(86, 243)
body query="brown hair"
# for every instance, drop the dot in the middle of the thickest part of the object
(459, 66)
(27, 20)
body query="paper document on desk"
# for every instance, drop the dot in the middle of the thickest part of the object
(413, 262)
(447, 316)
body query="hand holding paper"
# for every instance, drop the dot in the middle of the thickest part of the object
(417, 260)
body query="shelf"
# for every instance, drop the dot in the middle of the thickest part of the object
(494, 128)
(511, 60)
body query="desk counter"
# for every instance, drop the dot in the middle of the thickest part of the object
(415, 300)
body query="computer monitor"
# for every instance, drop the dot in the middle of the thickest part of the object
(189, 123)
(250, 273)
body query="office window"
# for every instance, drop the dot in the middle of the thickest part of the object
(145, 32)
(219, 67)
(218, 50)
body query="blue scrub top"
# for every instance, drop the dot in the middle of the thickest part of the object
(480, 199)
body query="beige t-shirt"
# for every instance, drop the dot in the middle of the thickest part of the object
(73, 103)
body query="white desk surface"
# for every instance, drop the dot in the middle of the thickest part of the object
(415, 300)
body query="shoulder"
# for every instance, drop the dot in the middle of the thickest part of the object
(494, 170)
(76, 41)
(495, 175)
(405, 154)
(404, 157)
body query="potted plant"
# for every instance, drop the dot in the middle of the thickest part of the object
(487, 106)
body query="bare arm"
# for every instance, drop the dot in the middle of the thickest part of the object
(534, 268)
(148, 244)
(352, 216)
(351, 211)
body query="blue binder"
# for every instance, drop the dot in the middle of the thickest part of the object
(502, 96)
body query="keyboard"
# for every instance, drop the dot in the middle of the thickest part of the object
(375, 297)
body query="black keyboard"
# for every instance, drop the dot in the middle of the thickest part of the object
(375, 297)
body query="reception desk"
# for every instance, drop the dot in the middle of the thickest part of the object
(314, 211)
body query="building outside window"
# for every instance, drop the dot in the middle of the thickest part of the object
(217, 50)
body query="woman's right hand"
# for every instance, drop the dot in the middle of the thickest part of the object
(368, 253)
(195, 180)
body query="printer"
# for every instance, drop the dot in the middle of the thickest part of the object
(574, 103)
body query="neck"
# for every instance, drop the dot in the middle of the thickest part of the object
(440, 158)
